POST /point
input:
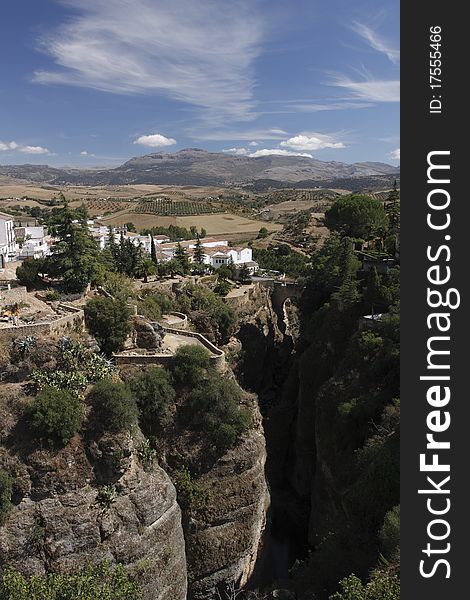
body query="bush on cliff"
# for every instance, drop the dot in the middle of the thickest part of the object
(190, 365)
(215, 408)
(114, 408)
(155, 397)
(382, 586)
(102, 582)
(6, 489)
(56, 415)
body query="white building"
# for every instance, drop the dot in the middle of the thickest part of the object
(8, 246)
(36, 243)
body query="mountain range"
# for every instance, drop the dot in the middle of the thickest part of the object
(194, 166)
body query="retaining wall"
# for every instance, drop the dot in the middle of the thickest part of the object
(217, 355)
(60, 326)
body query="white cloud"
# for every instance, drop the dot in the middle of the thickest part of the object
(278, 152)
(237, 151)
(370, 89)
(395, 154)
(377, 42)
(253, 144)
(200, 52)
(8, 146)
(84, 153)
(33, 150)
(311, 141)
(155, 140)
(25, 149)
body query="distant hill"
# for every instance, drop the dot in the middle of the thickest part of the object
(199, 167)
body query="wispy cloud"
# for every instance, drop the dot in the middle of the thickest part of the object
(154, 140)
(312, 141)
(377, 42)
(395, 154)
(5, 146)
(278, 152)
(333, 105)
(200, 52)
(233, 135)
(369, 89)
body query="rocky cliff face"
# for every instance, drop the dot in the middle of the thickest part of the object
(60, 523)
(222, 539)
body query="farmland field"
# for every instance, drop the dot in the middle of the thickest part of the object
(168, 207)
(220, 224)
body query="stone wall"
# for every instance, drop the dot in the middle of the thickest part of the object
(60, 326)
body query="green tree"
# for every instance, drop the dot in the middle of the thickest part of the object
(56, 414)
(190, 365)
(145, 268)
(155, 397)
(224, 272)
(263, 233)
(74, 258)
(6, 490)
(108, 321)
(182, 258)
(357, 216)
(199, 253)
(203, 233)
(130, 227)
(153, 250)
(114, 408)
(244, 274)
(128, 257)
(29, 273)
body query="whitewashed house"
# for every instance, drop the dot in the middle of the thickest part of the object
(35, 244)
(8, 245)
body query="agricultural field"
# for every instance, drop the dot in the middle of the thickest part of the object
(104, 206)
(169, 207)
(215, 224)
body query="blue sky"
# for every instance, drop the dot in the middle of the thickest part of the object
(95, 82)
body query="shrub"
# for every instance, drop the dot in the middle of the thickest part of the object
(155, 396)
(51, 295)
(382, 586)
(103, 582)
(147, 454)
(74, 382)
(114, 409)
(56, 415)
(222, 288)
(6, 488)
(215, 408)
(108, 321)
(106, 496)
(390, 534)
(190, 493)
(190, 364)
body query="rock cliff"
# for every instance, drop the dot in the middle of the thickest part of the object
(61, 521)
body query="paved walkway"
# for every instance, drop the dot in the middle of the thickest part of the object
(173, 341)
